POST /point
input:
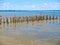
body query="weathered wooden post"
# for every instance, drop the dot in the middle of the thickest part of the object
(43, 18)
(14, 19)
(36, 18)
(11, 20)
(59, 17)
(0, 19)
(27, 19)
(32, 18)
(0, 22)
(56, 18)
(39, 17)
(49, 17)
(53, 18)
(23, 19)
(7, 20)
(19, 19)
(4, 20)
(46, 17)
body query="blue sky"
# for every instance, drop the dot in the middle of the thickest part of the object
(29, 4)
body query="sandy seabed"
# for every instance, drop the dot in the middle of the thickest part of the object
(10, 37)
(5, 40)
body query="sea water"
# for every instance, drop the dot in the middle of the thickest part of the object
(32, 33)
(9, 13)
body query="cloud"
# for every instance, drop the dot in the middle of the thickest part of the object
(7, 6)
(50, 6)
(30, 7)
(42, 6)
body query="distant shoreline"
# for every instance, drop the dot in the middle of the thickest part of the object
(24, 10)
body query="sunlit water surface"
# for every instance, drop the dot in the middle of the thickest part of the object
(32, 33)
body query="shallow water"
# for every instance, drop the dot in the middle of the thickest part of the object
(31, 33)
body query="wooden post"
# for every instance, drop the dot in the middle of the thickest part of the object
(4, 20)
(11, 20)
(7, 20)
(56, 18)
(49, 17)
(59, 17)
(0, 19)
(32, 18)
(46, 17)
(27, 19)
(19, 19)
(23, 19)
(36, 18)
(39, 17)
(43, 18)
(14, 19)
(53, 18)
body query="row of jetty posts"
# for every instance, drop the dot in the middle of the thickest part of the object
(16, 19)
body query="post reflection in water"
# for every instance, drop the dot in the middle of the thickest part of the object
(39, 32)
(14, 26)
(32, 23)
(0, 27)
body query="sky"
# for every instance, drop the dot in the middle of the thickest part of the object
(29, 4)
